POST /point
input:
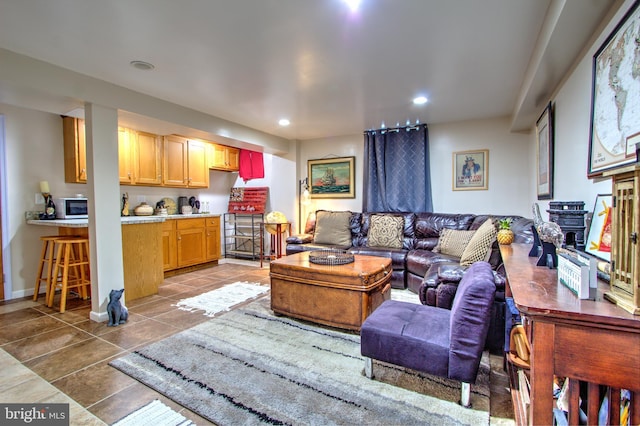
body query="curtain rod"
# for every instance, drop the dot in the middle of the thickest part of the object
(396, 129)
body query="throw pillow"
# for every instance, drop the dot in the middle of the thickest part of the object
(385, 231)
(452, 242)
(333, 228)
(479, 248)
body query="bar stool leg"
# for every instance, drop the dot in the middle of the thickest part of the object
(46, 257)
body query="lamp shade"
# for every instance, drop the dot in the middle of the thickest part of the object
(44, 187)
(274, 217)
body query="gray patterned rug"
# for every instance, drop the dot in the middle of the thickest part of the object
(250, 367)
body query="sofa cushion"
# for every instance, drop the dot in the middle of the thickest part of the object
(479, 248)
(386, 231)
(453, 242)
(333, 228)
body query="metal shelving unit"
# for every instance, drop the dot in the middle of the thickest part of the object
(242, 235)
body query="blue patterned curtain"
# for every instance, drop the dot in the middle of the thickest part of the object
(396, 170)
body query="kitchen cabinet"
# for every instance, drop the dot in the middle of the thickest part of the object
(185, 163)
(190, 242)
(213, 238)
(221, 157)
(169, 245)
(139, 155)
(147, 158)
(75, 155)
(125, 156)
(139, 158)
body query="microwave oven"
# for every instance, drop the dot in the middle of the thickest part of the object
(72, 208)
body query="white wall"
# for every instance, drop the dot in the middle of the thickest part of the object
(509, 186)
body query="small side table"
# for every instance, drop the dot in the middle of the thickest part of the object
(275, 249)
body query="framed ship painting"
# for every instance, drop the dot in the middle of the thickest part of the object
(332, 177)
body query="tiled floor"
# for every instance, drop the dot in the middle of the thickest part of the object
(69, 354)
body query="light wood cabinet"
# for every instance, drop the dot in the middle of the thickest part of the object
(191, 242)
(185, 163)
(213, 238)
(169, 245)
(125, 156)
(139, 155)
(222, 157)
(75, 155)
(140, 158)
(147, 159)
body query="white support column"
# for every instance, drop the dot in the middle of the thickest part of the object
(105, 233)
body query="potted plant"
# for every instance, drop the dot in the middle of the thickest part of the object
(505, 234)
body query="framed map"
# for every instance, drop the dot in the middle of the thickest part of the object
(615, 96)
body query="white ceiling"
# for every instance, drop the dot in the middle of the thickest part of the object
(331, 72)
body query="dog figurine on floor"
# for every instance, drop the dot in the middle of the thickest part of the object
(118, 314)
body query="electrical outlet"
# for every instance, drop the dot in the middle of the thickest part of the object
(39, 198)
(142, 198)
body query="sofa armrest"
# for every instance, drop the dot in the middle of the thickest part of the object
(300, 239)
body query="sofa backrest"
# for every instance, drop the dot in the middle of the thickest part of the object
(469, 321)
(422, 230)
(429, 226)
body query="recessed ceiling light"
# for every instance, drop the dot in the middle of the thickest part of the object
(420, 100)
(353, 4)
(142, 65)
(284, 122)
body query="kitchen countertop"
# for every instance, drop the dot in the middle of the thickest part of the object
(126, 220)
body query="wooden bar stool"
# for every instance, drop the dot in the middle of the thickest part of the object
(47, 259)
(72, 265)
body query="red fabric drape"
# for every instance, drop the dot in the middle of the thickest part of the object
(251, 165)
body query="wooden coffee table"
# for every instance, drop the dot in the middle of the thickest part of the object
(340, 296)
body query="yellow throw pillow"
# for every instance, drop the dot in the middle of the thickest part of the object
(479, 248)
(452, 242)
(385, 231)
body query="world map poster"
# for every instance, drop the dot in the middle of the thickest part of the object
(615, 118)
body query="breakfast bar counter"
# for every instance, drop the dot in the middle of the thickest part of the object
(141, 250)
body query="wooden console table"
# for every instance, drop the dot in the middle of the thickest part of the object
(593, 342)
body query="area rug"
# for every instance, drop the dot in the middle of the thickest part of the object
(248, 366)
(154, 413)
(222, 299)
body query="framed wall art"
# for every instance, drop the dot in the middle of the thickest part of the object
(332, 177)
(471, 170)
(544, 132)
(599, 237)
(615, 96)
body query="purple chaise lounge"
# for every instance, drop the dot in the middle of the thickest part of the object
(445, 343)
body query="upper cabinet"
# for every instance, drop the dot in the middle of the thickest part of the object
(125, 156)
(150, 160)
(223, 157)
(145, 153)
(75, 156)
(185, 163)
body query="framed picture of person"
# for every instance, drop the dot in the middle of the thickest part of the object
(471, 170)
